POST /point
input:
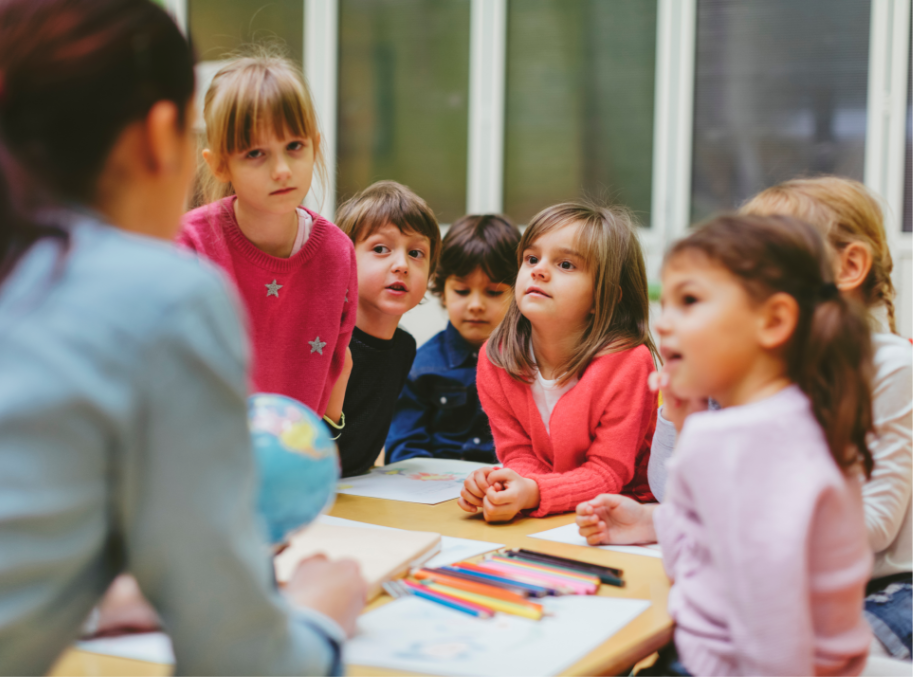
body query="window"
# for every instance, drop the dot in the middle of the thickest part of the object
(780, 91)
(908, 162)
(219, 27)
(403, 98)
(579, 103)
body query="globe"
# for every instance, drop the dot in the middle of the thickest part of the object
(297, 463)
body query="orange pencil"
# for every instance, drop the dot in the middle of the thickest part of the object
(478, 588)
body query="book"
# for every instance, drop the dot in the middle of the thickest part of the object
(383, 554)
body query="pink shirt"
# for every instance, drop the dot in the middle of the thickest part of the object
(599, 431)
(765, 540)
(301, 309)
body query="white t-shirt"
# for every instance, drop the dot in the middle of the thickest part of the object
(304, 230)
(546, 395)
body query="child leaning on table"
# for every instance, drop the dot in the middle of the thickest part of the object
(762, 525)
(438, 413)
(397, 244)
(563, 378)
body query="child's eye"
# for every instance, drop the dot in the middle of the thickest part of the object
(380, 249)
(495, 292)
(254, 154)
(461, 292)
(295, 145)
(689, 299)
(416, 253)
(566, 265)
(532, 260)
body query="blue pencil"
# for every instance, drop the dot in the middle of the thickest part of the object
(440, 599)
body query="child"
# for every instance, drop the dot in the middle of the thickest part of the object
(438, 413)
(294, 269)
(397, 243)
(563, 378)
(849, 217)
(762, 526)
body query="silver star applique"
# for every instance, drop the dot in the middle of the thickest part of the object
(273, 289)
(347, 295)
(317, 345)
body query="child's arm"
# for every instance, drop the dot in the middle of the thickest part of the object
(338, 394)
(341, 362)
(410, 430)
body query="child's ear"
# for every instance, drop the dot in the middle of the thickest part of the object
(216, 166)
(777, 320)
(854, 263)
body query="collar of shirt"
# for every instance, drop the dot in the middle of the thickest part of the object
(458, 349)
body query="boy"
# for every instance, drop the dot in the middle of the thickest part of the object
(397, 242)
(438, 414)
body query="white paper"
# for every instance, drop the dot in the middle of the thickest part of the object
(452, 549)
(154, 647)
(569, 534)
(415, 480)
(416, 635)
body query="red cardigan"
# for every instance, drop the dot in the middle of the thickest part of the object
(300, 310)
(601, 430)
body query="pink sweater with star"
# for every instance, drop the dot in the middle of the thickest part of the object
(601, 430)
(299, 315)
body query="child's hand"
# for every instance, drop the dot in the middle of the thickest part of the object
(675, 409)
(333, 588)
(508, 494)
(613, 519)
(474, 488)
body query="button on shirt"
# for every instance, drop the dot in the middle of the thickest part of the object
(438, 414)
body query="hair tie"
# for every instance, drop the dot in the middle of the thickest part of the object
(828, 291)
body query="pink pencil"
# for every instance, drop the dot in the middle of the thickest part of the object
(520, 573)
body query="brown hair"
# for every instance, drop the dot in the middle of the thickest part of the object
(844, 211)
(607, 237)
(258, 92)
(486, 241)
(73, 75)
(390, 202)
(830, 354)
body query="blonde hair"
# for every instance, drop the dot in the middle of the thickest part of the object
(386, 202)
(843, 211)
(263, 91)
(607, 238)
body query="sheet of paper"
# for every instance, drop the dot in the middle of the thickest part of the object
(452, 549)
(415, 635)
(415, 480)
(154, 647)
(569, 534)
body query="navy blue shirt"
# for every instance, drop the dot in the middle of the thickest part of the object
(438, 414)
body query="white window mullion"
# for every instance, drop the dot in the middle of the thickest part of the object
(321, 56)
(487, 65)
(178, 10)
(672, 126)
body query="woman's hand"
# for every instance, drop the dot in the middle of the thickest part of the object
(508, 493)
(474, 488)
(335, 589)
(612, 519)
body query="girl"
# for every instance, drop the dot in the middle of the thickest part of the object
(849, 218)
(123, 421)
(563, 378)
(438, 412)
(295, 270)
(762, 526)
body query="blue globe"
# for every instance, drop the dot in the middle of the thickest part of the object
(297, 463)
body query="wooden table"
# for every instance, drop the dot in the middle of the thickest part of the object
(644, 577)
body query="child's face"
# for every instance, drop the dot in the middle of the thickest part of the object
(708, 329)
(392, 271)
(554, 287)
(273, 176)
(475, 305)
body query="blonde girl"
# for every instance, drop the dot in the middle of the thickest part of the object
(294, 269)
(563, 379)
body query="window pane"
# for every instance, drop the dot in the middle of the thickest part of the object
(908, 166)
(780, 91)
(403, 98)
(579, 107)
(220, 26)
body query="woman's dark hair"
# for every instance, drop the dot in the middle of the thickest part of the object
(830, 354)
(486, 241)
(73, 75)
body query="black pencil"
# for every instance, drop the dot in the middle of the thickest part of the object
(608, 575)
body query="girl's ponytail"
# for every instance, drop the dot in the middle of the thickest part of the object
(833, 367)
(830, 353)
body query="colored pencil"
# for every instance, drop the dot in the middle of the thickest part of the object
(471, 586)
(603, 577)
(516, 576)
(549, 569)
(522, 573)
(564, 561)
(464, 605)
(524, 610)
(497, 581)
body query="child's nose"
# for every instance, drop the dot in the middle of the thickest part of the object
(400, 262)
(281, 169)
(476, 302)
